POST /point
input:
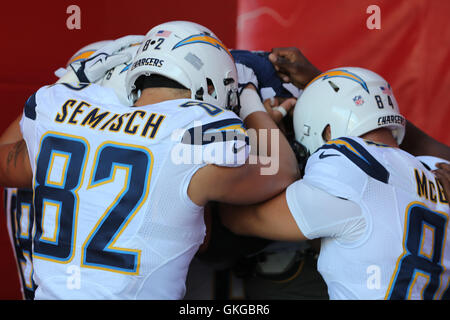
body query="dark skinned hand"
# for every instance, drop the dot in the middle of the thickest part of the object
(443, 174)
(292, 66)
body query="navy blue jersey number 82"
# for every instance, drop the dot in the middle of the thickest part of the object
(59, 194)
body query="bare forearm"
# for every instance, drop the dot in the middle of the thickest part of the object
(272, 141)
(15, 169)
(418, 143)
(443, 174)
(238, 219)
(270, 220)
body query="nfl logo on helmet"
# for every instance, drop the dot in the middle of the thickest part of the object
(358, 100)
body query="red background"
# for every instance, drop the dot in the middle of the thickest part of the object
(411, 50)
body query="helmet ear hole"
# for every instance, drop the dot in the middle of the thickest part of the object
(326, 133)
(211, 88)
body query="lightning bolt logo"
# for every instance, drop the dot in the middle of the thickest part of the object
(341, 74)
(340, 143)
(82, 56)
(202, 38)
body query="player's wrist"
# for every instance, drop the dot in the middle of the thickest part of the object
(281, 110)
(250, 103)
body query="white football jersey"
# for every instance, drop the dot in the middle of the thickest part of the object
(113, 219)
(19, 222)
(394, 245)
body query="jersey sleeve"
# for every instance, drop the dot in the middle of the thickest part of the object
(342, 167)
(28, 123)
(430, 162)
(325, 202)
(332, 172)
(319, 214)
(221, 139)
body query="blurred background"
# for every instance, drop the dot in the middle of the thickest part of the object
(410, 49)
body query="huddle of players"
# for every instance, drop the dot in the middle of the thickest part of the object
(102, 203)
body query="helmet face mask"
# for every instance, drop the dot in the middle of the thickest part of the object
(353, 101)
(191, 55)
(86, 51)
(82, 54)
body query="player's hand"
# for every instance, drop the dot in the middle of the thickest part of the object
(443, 174)
(279, 109)
(93, 69)
(292, 66)
(254, 67)
(289, 104)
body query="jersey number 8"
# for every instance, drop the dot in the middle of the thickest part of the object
(422, 256)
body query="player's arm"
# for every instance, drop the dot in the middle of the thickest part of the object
(15, 168)
(443, 174)
(251, 182)
(279, 110)
(301, 212)
(254, 181)
(292, 66)
(419, 143)
(271, 219)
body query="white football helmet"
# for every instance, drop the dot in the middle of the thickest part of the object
(115, 78)
(87, 51)
(191, 55)
(82, 54)
(353, 101)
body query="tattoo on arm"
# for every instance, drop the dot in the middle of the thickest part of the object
(17, 150)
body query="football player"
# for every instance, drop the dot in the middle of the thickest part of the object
(267, 269)
(380, 213)
(254, 68)
(226, 261)
(293, 67)
(18, 202)
(119, 191)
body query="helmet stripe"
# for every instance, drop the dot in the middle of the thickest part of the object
(202, 38)
(341, 74)
(82, 56)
